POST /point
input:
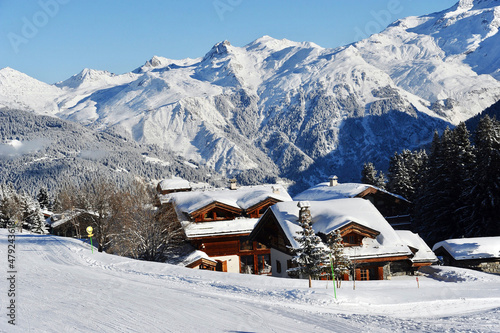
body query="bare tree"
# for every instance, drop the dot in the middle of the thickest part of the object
(145, 231)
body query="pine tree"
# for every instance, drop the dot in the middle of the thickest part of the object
(341, 263)
(311, 256)
(485, 190)
(369, 174)
(428, 201)
(43, 199)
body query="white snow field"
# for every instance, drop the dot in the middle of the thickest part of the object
(61, 286)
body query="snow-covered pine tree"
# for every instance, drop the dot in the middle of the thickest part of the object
(43, 199)
(485, 192)
(10, 209)
(429, 200)
(311, 256)
(341, 263)
(368, 174)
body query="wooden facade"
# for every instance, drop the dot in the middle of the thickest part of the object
(396, 210)
(269, 232)
(254, 257)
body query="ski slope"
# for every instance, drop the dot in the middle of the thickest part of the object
(61, 286)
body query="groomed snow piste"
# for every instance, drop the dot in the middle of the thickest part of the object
(61, 286)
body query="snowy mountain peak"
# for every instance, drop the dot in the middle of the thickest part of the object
(465, 4)
(219, 49)
(270, 43)
(86, 76)
(470, 4)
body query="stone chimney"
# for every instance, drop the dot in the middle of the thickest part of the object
(304, 213)
(333, 180)
(232, 184)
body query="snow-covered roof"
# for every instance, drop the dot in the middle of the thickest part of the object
(174, 184)
(194, 256)
(242, 198)
(471, 248)
(424, 253)
(330, 215)
(324, 191)
(59, 219)
(216, 228)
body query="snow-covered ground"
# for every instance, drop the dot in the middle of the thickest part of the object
(61, 286)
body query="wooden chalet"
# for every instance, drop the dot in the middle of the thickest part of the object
(478, 253)
(71, 223)
(394, 208)
(219, 221)
(374, 247)
(173, 185)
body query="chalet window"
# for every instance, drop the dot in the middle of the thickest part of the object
(352, 239)
(364, 274)
(261, 246)
(264, 263)
(278, 266)
(220, 215)
(245, 244)
(247, 265)
(208, 216)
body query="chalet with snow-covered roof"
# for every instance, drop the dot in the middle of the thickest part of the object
(422, 253)
(173, 185)
(219, 221)
(479, 253)
(395, 208)
(375, 248)
(70, 223)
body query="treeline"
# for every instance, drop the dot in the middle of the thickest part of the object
(126, 220)
(454, 187)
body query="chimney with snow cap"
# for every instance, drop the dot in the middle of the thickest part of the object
(333, 180)
(276, 190)
(304, 213)
(232, 184)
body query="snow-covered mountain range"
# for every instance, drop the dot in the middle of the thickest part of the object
(292, 109)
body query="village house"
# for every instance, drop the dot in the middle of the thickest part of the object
(479, 253)
(394, 208)
(70, 223)
(218, 222)
(375, 248)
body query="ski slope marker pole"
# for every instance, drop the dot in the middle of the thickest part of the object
(89, 231)
(333, 277)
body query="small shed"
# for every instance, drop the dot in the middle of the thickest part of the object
(479, 253)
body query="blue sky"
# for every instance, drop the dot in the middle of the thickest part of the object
(54, 39)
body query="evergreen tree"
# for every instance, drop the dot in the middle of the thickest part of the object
(43, 199)
(484, 195)
(311, 256)
(381, 181)
(369, 174)
(428, 203)
(341, 263)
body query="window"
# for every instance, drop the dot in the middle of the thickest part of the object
(278, 266)
(261, 246)
(364, 274)
(264, 263)
(246, 265)
(245, 244)
(352, 239)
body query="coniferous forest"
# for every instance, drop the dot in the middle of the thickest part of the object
(454, 185)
